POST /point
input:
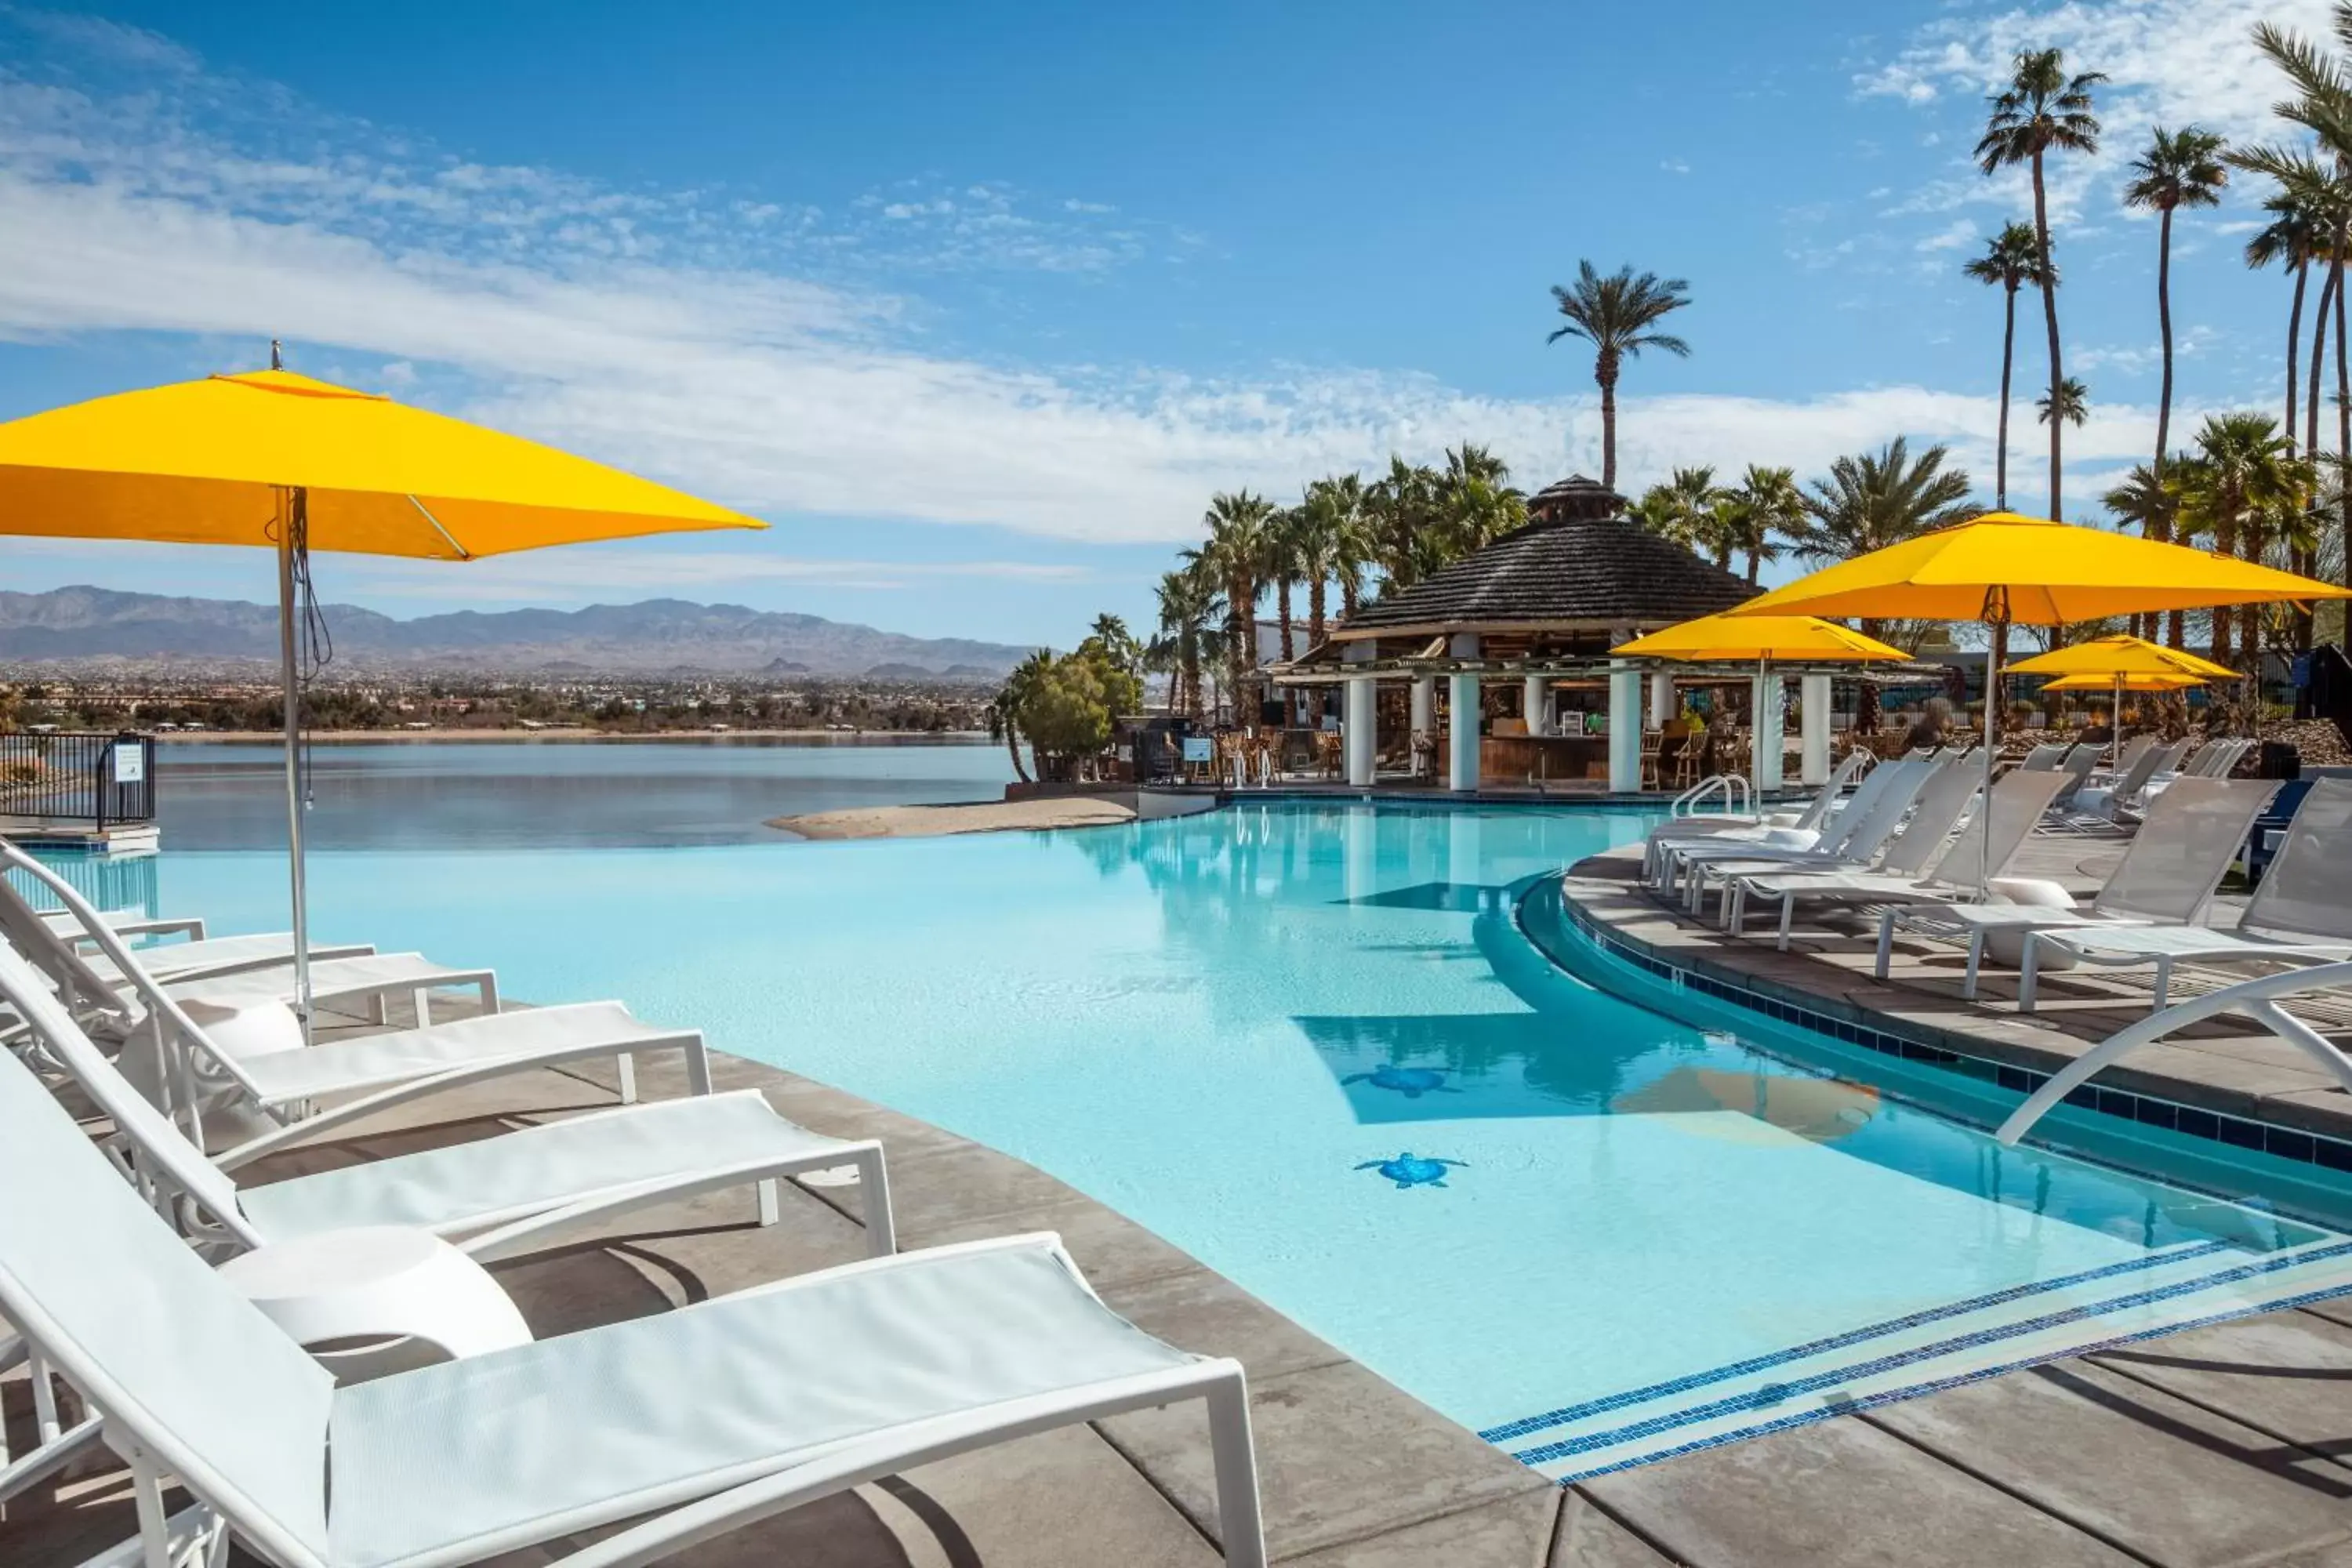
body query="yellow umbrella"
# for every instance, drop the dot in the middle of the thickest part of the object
(1733, 639)
(2122, 682)
(2120, 655)
(273, 459)
(2004, 569)
(2117, 661)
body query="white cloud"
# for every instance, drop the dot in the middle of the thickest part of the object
(686, 335)
(1675, 166)
(1951, 237)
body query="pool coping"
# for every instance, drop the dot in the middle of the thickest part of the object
(1601, 898)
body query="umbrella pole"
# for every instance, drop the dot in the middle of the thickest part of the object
(2116, 726)
(1993, 695)
(291, 691)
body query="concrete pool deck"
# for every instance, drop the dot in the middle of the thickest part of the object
(2230, 1444)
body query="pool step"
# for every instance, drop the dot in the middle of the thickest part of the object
(1924, 1353)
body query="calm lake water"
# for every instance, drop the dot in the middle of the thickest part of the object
(550, 795)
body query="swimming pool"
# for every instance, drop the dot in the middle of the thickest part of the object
(1311, 1045)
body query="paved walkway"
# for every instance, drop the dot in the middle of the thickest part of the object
(2230, 1444)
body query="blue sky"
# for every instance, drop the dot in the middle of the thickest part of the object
(978, 304)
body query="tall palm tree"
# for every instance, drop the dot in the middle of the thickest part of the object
(2012, 260)
(1870, 502)
(2073, 403)
(2181, 168)
(1318, 539)
(1240, 526)
(1401, 507)
(1476, 504)
(2042, 111)
(1769, 507)
(2291, 240)
(1618, 315)
(1355, 546)
(1280, 565)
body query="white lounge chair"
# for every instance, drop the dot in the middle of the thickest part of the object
(1936, 812)
(105, 997)
(1857, 850)
(2260, 999)
(502, 1194)
(2121, 793)
(2018, 803)
(2301, 914)
(693, 1422)
(2076, 770)
(1827, 801)
(2166, 876)
(131, 922)
(2044, 757)
(1665, 856)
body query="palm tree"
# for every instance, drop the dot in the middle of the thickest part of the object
(1316, 540)
(1870, 502)
(2073, 403)
(1476, 504)
(2244, 476)
(2292, 239)
(1618, 315)
(1769, 506)
(1280, 564)
(2180, 169)
(1355, 546)
(1188, 607)
(2042, 111)
(1685, 509)
(2147, 501)
(1401, 510)
(2012, 260)
(1004, 712)
(1240, 525)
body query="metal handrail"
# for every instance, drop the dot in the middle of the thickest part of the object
(1738, 795)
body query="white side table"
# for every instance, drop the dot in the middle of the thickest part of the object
(379, 1282)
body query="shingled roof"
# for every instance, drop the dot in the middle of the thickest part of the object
(1582, 565)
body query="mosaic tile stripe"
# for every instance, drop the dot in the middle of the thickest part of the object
(1956, 1380)
(1529, 1425)
(1822, 1382)
(2235, 1131)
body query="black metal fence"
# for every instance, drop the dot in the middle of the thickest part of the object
(103, 780)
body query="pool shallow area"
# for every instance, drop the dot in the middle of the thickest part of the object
(1312, 1046)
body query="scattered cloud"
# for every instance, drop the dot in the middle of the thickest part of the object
(1675, 166)
(1951, 237)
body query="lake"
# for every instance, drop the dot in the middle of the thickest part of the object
(533, 794)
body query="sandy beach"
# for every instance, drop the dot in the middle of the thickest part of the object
(977, 817)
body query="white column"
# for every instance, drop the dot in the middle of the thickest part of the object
(1533, 689)
(1357, 725)
(1813, 694)
(1461, 733)
(1771, 727)
(1424, 705)
(1662, 699)
(1624, 727)
(1462, 720)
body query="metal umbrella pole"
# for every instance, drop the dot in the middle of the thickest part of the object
(1996, 619)
(291, 501)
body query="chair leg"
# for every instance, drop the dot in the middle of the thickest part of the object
(1238, 1520)
(2029, 971)
(2163, 981)
(625, 1073)
(1976, 961)
(1787, 918)
(874, 1199)
(1885, 942)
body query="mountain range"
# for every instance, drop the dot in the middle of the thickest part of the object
(656, 636)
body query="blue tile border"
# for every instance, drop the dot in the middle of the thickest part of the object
(1823, 1382)
(1527, 1424)
(2236, 1131)
(1940, 1384)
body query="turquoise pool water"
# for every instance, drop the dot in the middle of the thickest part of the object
(1313, 1046)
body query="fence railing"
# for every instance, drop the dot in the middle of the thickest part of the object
(103, 780)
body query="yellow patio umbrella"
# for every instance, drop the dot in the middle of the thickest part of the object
(2115, 661)
(2121, 682)
(1726, 638)
(272, 459)
(2004, 569)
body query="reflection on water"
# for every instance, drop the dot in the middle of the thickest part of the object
(553, 794)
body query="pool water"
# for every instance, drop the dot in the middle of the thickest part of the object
(1311, 1045)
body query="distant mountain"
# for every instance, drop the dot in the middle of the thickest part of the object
(658, 636)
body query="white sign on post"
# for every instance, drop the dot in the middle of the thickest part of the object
(129, 763)
(1198, 749)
